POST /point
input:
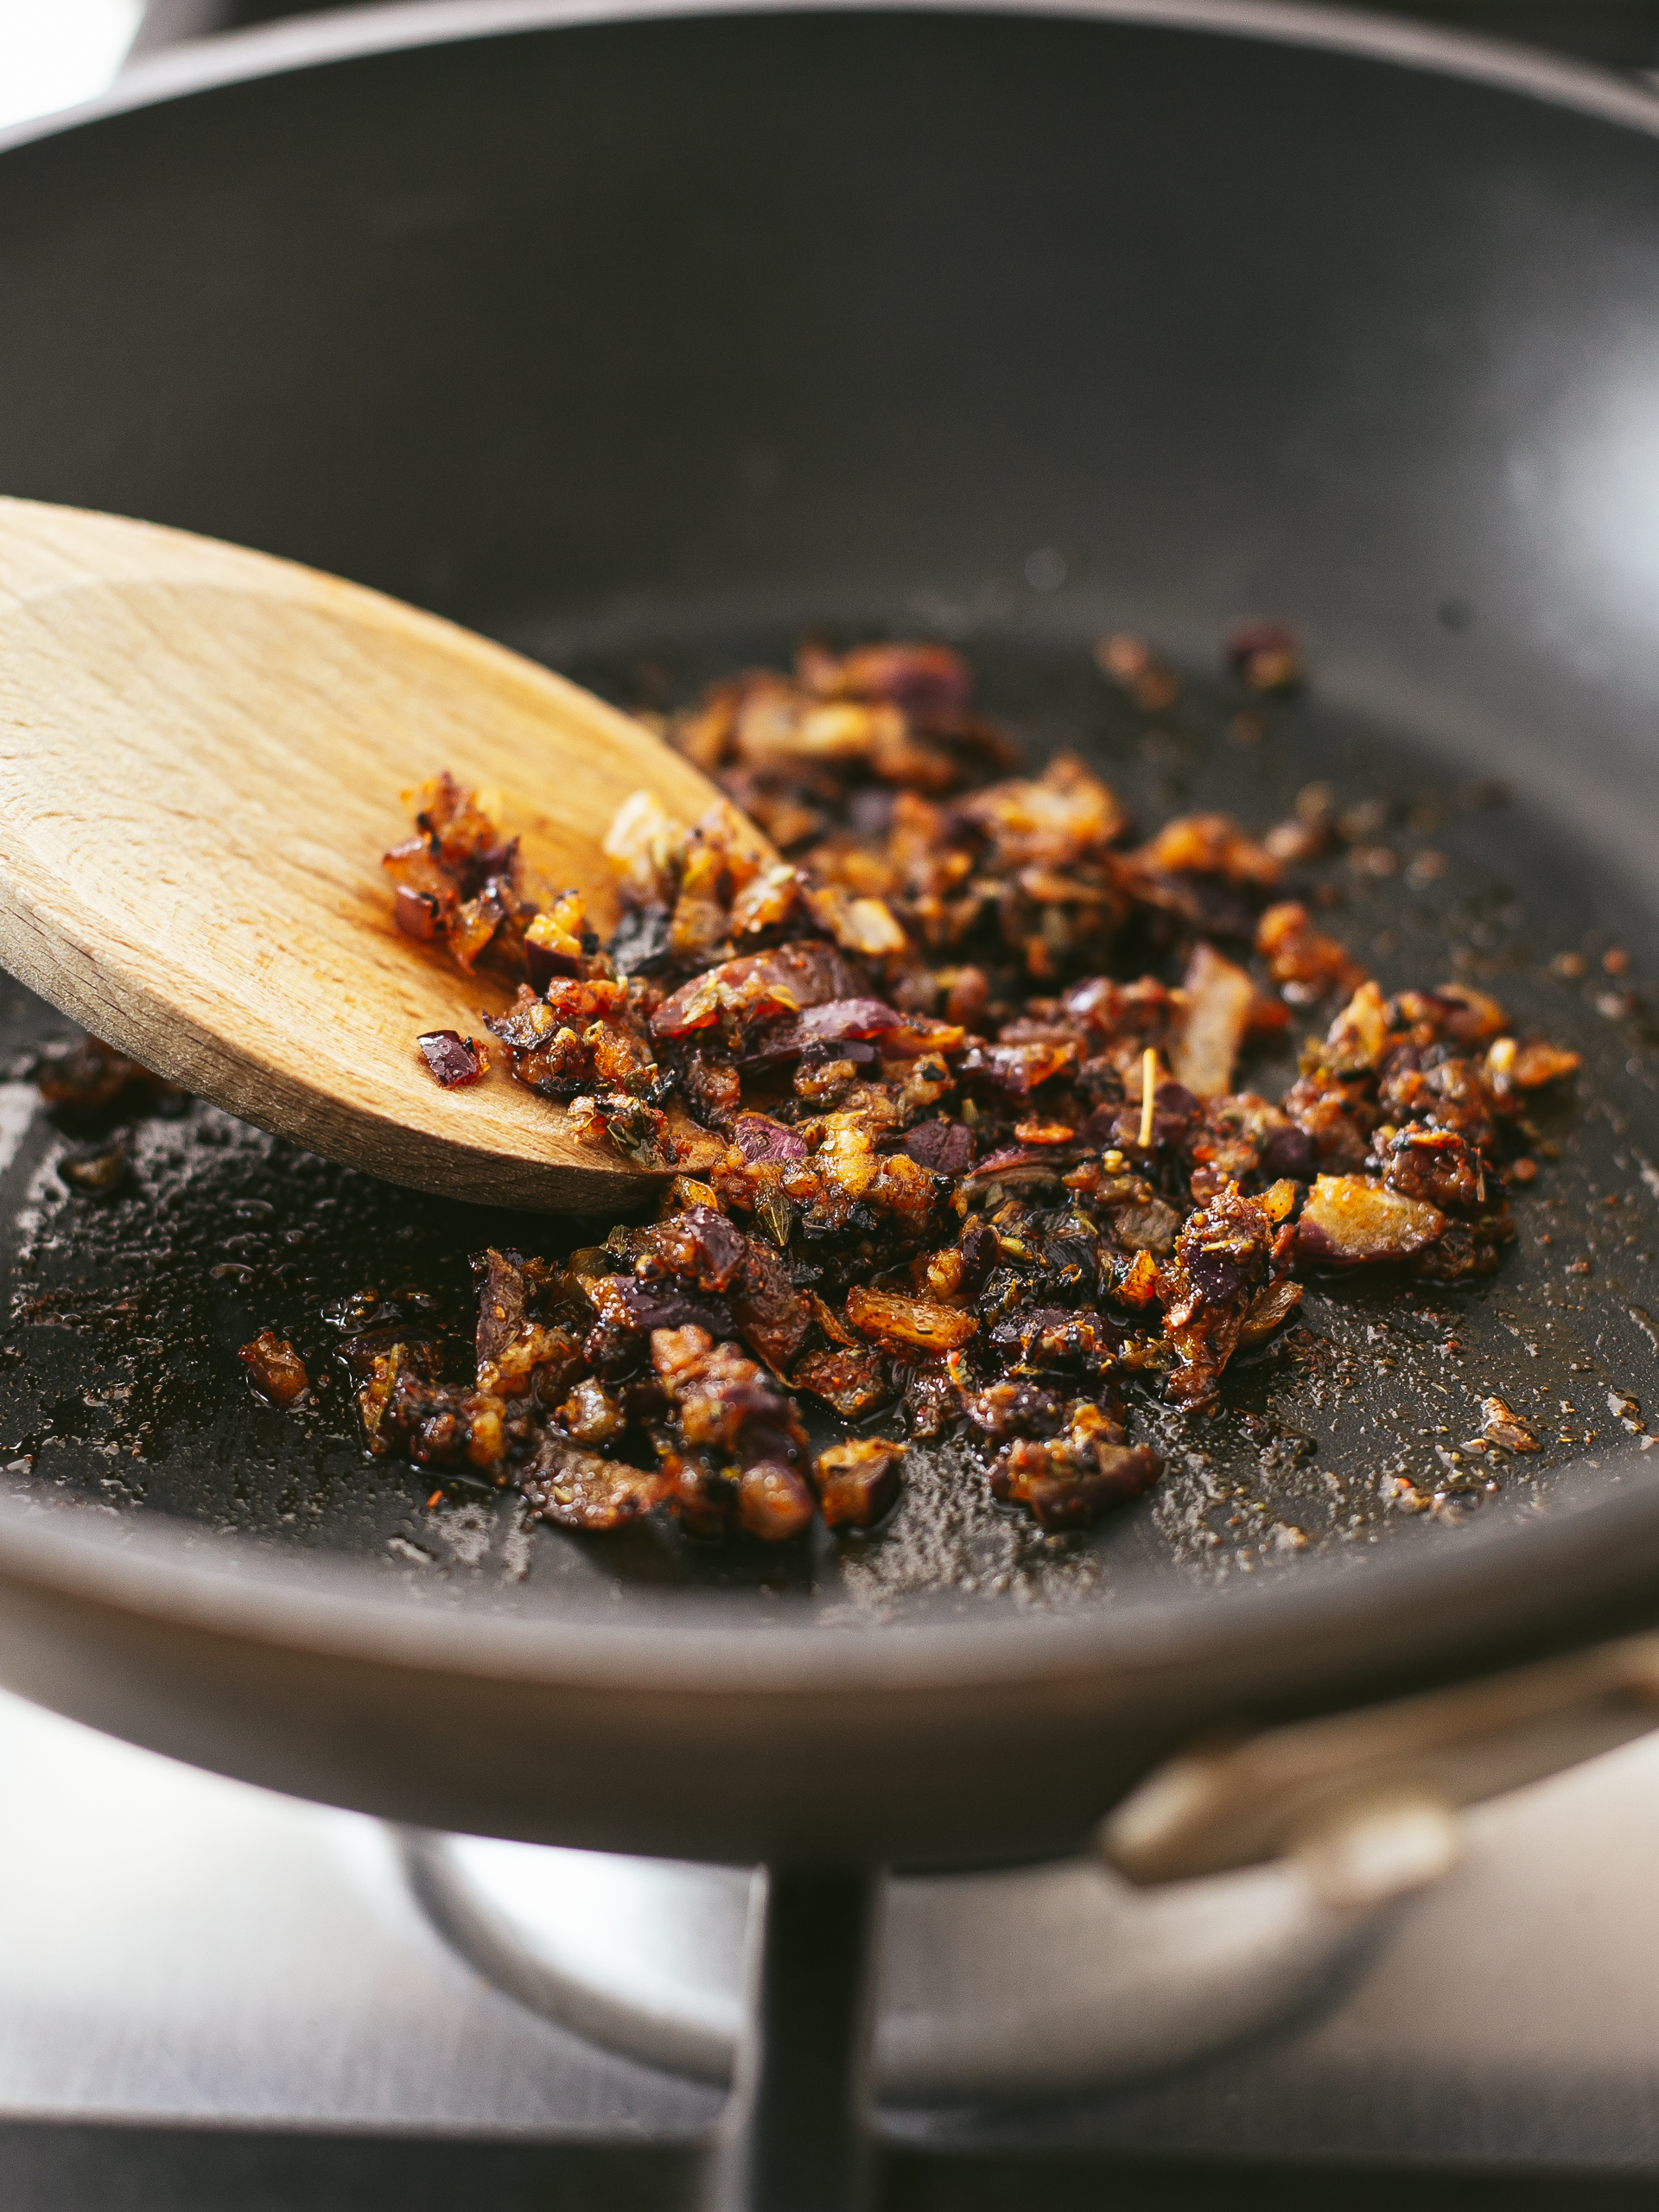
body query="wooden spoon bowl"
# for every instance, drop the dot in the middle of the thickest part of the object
(201, 754)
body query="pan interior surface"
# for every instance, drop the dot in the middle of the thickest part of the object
(649, 346)
(1351, 1432)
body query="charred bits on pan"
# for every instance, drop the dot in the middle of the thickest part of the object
(939, 1158)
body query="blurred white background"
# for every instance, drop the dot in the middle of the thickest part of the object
(54, 52)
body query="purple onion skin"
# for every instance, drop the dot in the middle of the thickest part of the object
(415, 913)
(1290, 1152)
(1217, 1275)
(842, 1029)
(945, 1146)
(651, 1306)
(759, 1138)
(1315, 1249)
(1021, 1155)
(452, 1058)
(842, 1018)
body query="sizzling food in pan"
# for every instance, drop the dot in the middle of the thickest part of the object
(953, 1107)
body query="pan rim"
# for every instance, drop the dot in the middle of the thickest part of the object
(405, 26)
(1390, 1609)
(1489, 1575)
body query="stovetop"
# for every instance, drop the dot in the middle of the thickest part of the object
(212, 1995)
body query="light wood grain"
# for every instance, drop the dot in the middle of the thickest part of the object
(201, 754)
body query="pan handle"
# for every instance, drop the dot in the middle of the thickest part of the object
(1367, 1800)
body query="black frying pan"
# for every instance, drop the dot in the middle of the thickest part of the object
(643, 343)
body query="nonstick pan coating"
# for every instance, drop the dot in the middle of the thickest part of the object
(644, 344)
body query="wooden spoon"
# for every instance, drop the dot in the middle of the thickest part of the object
(201, 754)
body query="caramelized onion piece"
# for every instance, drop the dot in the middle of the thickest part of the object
(1350, 1221)
(1070, 1479)
(1304, 963)
(1537, 1064)
(916, 1324)
(1220, 1000)
(1269, 1310)
(275, 1368)
(774, 1502)
(857, 1482)
(454, 1060)
(88, 1075)
(854, 1382)
(1500, 1426)
(578, 1489)
(756, 987)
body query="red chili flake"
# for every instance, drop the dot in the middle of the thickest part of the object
(1038, 1132)
(435, 1501)
(455, 1060)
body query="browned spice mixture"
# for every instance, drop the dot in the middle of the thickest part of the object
(275, 1368)
(941, 1160)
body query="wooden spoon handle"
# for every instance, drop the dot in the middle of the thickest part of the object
(201, 754)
